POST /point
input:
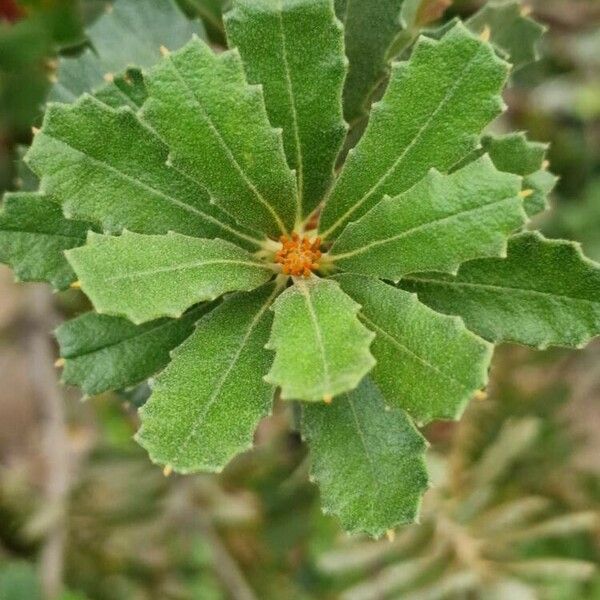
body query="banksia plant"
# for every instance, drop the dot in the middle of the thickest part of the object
(229, 242)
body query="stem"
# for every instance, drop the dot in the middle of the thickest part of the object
(55, 448)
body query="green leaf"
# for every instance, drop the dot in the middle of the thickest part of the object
(514, 153)
(143, 277)
(108, 353)
(128, 89)
(467, 214)
(302, 71)
(367, 460)
(33, 237)
(511, 30)
(201, 105)
(206, 405)
(435, 105)
(370, 28)
(415, 16)
(544, 293)
(129, 34)
(104, 166)
(211, 13)
(428, 364)
(322, 349)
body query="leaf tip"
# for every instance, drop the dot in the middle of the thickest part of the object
(480, 395)
(164, 51)
(327, 398)
(390, 534)
(76, 285)
(168, 470)
(59, 363)
(486, 34)
(108, 77)
(526, 193)
(526, 11)
(35, 130)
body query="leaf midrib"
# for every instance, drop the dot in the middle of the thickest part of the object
(294, 114)
(372, 325)
(319, 338)
(422, 226)
(124, 340)
(197, 422)
(500, 289)
(449, 95)
(248, 182)
(183, 267)
(373, 471)
(148, 188)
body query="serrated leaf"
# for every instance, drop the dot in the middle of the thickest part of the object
(144, 277)
(108, 353)
(467, 214)
(428, 364)
(104, 166)
(370, 28)
(514, 153)
(544, 293)
(302, 71)
(321, 348)
(201, 105)
(33, 237)
(436, 105)
(127, 89)
(129, 34)
(511, 30)
(368, 461)
(206, 405)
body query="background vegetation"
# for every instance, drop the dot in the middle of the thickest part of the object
(84, 515)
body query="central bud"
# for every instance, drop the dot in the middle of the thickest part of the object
(298, 256)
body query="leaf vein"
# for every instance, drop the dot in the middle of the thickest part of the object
(445, 100)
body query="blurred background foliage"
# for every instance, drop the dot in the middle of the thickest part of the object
(514, 510)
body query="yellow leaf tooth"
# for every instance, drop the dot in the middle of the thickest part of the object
(59, 363)
(486, 34)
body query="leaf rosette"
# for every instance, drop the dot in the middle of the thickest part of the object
(228, 254)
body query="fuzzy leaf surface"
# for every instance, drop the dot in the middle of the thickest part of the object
(206, 405)
(544, 293)
(467, 214)
(108, 353)
(144, 277)
(33, 237)
(217, 129)
(129, 34)
(435, 105)
(514, 153)
(321, 348)
(302, 72)
(428, 364)
(370, 28)
(104, 166)
(369, 462)
(512, 31)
